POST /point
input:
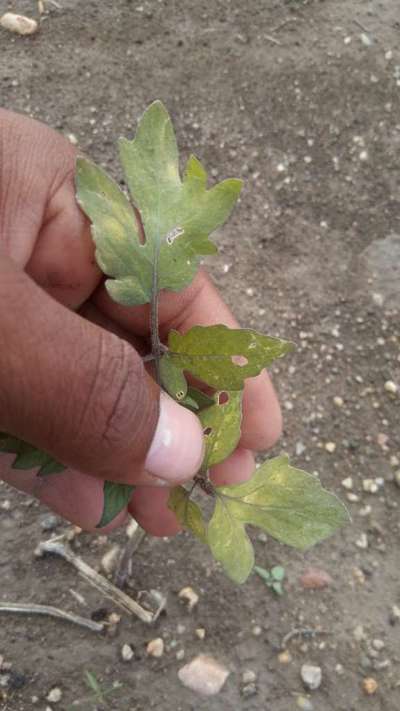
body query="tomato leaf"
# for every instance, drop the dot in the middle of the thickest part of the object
(229, 542)
(173, 380)
(287, 503)
(187, 512)
(177, 215)
(221, 426)
(223, 357)
(28, 456)
(116, 497)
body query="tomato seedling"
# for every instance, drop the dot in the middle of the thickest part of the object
(155, 241)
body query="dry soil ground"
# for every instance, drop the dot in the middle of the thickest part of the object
(302, 100)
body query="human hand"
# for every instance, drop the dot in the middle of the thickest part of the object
(72, 380)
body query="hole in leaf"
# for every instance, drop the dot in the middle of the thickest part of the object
(239, 360)
(207, 431)
(180, 395)
(223, 398)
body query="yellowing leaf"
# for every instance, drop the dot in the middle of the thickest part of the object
(223, 357)
(229, 542)
(119, 252)
(187, 512)
(287, 503)
(221, 426)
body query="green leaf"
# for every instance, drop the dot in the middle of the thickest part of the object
(229, 542)
(116, 497)
(264, 574)
(278, 573)
(197, 400)
(277, 588)
(187, 512)
(221, 426)
(28, 456)
(173, 380)
(223, 357)
(287, 503)
(177, 215)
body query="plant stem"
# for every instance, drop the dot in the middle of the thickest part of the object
(155, 337)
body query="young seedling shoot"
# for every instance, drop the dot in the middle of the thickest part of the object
(155, 241)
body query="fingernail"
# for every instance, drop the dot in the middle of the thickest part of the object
(176, 452)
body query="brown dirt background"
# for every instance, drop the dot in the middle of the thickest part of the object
(311, 122)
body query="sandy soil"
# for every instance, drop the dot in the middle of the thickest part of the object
(301, 99)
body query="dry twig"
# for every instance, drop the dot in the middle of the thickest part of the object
(58, 547)
(50, 611)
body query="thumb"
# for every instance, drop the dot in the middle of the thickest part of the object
(82, 394)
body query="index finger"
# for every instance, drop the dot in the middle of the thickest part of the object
(200, 304)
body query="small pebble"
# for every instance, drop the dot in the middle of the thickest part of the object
(249, 676)
(378, 644)
(391, 387)
(347, 483)
(127, 653)
(397, 478)
(351, 496)
(370, 685)
(358, 633)
(359, 575)
(54, 695)
(19, 24)
(395, 614)
(362, 541)
(311, 676)
(284, 657)
(315, 579)
(155, 647)
(304, 704)
(338, 401)
(200, 633)
(370, 486)
(257, 630)
(180, 655)
(330, 447)
(190, 596)
(204, 675)
(72, 139)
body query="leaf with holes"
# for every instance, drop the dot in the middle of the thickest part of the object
(221, 426)
(116, 497)
(158, 243)
(187, 512)
(223, 357)
(28, 456)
